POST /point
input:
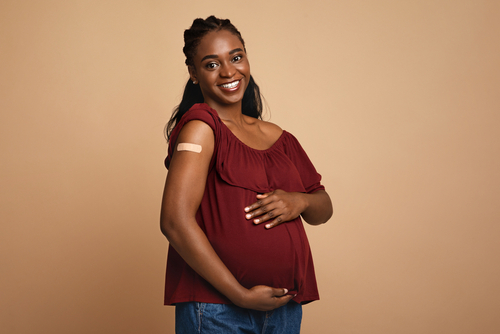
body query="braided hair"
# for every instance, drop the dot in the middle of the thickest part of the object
(252, 101)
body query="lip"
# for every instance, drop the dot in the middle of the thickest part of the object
(232, 89)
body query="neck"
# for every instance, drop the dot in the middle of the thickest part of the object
(231, 113)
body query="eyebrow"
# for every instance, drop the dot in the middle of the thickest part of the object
(216, 56)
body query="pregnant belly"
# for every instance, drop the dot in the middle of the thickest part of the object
(257, 256)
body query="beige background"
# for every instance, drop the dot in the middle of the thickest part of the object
(396, 102)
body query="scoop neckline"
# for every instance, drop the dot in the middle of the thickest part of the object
(213, 111)
(239, 140)
(249, 147)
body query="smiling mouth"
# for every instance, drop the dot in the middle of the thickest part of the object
(231, 84)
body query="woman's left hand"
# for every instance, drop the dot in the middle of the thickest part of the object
(276, 207)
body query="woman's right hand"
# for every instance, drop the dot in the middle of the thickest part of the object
(263, 298)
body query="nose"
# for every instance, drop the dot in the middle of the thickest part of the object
(227, 70)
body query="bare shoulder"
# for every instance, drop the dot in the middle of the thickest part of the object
(270, 130)
(199, 137)
(270, 127)
(196, 132)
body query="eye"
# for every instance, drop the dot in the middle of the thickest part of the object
(211, 65)
(237, 58)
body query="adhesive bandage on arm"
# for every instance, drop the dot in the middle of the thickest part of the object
(189, 147)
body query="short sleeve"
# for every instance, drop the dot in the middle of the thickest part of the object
(201, 112)
(311, 179)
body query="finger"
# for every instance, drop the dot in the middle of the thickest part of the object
(255, 206)
(280, 292)
(264, 209)
(274, 223)
(265, 216)
(283, 300)
(257, 212)
(260, 203)
(261, 196)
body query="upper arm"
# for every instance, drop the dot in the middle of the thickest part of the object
(187, 174)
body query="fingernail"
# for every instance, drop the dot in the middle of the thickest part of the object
(256, 221)
(268, 226)
(286, 291)
(248, 216)
(247, 209)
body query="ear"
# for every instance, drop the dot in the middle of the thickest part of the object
(192, 74)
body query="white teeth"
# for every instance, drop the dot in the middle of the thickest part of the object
(231, 85)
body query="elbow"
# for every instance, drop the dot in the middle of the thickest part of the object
(326, 208)
(322, 212)
(319, 219)
(167, 226)
(163, 228)
(329, 213)
(176, 226)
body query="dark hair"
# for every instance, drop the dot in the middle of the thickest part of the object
(252, 101)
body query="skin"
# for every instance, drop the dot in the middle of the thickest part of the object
(221, 59)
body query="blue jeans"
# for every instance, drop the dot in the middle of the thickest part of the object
(206, 318)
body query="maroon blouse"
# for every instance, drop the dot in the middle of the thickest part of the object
(279, 257)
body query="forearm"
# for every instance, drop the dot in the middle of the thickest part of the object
(191, 243)
(318, 208)
(184, 189)
(182, 197)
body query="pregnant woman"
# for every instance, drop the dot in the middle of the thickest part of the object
(237, 187)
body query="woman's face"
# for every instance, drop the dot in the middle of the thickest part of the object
(221, 68)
